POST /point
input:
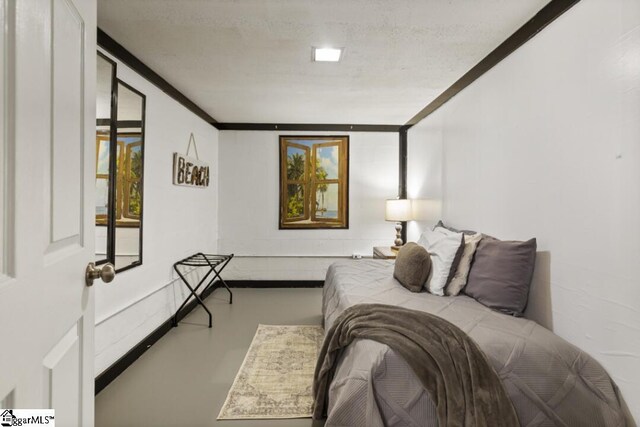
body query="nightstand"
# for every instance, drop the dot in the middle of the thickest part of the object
(384, 252)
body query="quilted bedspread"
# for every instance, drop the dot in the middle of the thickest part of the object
(549, 381)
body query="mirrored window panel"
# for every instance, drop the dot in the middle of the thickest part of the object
(129, 153)
(120, 111)
(105, 85)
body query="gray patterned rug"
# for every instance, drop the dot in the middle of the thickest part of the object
(276, 376)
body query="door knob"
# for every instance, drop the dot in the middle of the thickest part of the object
(106, 272)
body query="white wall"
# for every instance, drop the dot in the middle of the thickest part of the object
(547, 144)
(424, 176)
(249, 204)
(178, 221)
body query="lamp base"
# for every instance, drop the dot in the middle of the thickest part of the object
(397, 244)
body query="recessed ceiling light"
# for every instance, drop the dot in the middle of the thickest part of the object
(326, 54)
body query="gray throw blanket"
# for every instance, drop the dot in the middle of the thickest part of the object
(464, 387)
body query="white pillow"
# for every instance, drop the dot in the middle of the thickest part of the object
(443, 246)
(459, 280)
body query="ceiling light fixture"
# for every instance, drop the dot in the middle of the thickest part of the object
(326, 54)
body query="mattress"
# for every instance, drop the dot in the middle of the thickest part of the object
(549, 381)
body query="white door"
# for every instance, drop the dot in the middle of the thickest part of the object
(47, 149)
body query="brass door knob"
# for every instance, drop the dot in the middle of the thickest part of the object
(105, 272)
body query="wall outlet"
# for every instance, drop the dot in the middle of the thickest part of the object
(356, 256)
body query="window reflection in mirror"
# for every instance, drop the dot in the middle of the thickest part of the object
(106, 72)
(130, 161)
(119, 169)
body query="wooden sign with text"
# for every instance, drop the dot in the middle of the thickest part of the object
(190, 172)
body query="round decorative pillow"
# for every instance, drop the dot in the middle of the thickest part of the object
(413, 265)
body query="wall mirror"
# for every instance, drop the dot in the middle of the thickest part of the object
(119, 169)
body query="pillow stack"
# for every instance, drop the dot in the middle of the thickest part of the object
(451, 254)
(496, 273)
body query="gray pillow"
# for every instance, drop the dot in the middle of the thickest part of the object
(501, 274)
(413, 265)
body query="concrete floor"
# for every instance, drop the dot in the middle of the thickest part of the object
(184, 378)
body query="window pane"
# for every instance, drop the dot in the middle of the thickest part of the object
(133, 172)
(102, 181)
(296, 162)
(135, 162)
(104, 86)
(295, 201)
(102, 155)
(133, 207)
(129, 198)
(129, 203)
(104, 83)
(102, 199)
(327, 201)
(327, 162)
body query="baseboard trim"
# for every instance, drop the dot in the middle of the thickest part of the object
(120, 365)
(275, 283)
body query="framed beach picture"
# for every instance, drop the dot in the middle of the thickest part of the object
(314, 182)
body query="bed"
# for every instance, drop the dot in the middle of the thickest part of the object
(549, 381)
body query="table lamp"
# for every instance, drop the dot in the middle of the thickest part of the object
(398, 210)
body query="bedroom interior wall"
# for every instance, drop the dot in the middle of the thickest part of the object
(249, 204)
(547, 144)
(424, 176)
(178, 221)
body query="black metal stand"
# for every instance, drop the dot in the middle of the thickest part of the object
(203, 260)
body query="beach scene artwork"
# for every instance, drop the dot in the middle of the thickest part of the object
(314, 178)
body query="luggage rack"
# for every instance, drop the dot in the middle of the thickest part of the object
(215, 263)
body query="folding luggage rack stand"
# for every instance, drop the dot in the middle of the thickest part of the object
(215, 263)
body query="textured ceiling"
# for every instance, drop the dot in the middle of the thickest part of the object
(250, 60)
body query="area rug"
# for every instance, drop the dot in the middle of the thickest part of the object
(276, 376)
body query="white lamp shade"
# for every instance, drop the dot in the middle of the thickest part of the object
(398, 210)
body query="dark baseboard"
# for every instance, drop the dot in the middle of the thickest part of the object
(120, 365)
(275, 283)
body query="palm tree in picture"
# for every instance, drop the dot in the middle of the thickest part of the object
(321, 175)
(295, 172)
(133, 177)
(295, 167)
